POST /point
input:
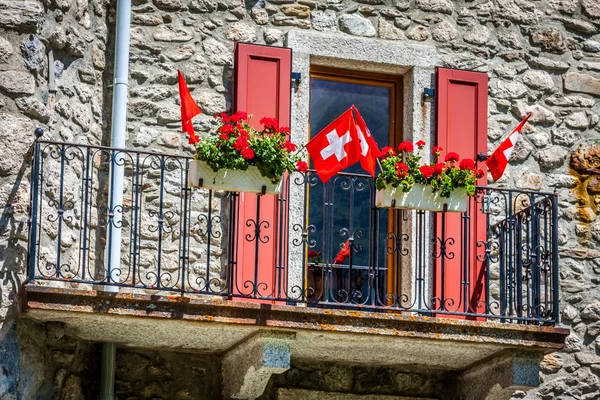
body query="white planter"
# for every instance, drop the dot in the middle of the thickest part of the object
(421, 198)
(250, 181)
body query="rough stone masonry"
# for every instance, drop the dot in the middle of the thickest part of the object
(542, 56)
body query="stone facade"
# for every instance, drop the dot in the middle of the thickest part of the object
(541, 57)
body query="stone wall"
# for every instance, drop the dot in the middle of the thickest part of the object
(44, 362)
(541, 56)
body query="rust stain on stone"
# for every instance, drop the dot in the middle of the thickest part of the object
(585, 165)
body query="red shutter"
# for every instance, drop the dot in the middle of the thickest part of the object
(462, 112)
(262, 88)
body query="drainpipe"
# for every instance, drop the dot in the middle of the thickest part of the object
(118, 130)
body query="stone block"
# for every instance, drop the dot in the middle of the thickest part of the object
(248, 367)
(583, 83)
(20, 15)
(17, 82)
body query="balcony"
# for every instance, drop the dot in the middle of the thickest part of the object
(446, 289)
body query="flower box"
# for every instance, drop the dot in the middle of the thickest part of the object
(250, 180)
(421, 198)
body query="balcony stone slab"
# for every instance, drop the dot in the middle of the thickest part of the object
(216, 326)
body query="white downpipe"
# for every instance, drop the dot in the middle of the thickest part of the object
(118, 131)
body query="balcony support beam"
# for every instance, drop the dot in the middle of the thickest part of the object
(498, 377)
(248, 367)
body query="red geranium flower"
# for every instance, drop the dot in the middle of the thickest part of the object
(479, 173)
(284, 129)
(313, 253)
(406, 146)
(387, 151)
(241, 144)
(248, 153)
(270, 123)
(241, 115)
(467, 164)
(302, 166)
(420, 144)
(438, 169)
(224, 118)
(289, 146)
(426, 171)
(401, 169)
(452, 157)
(436, 151)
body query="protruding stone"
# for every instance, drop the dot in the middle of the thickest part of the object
(203, 6)
(260, 15)
(168, 33)
(217, 52)
(550, 39)
(296, 10)
(540, 80)
(212, 103)
(551, 158)
(443, 32)
(324, 20)
(241, 32)
(551, 363)
(521, 151)
(546, 63)
(591, 8)
(389, 31)
(443, 6)
(478, 35)
(356, 25)
(167, 4)
(583, 83)
(34, 108)
(272, 35)
(21, 14)
(418, 32)
(529, 180)
(17, 82)
(565, 137)
(577, 120)
(570, 101)
(507, 90)
(579, 25)
(540, 114)
(6, 50)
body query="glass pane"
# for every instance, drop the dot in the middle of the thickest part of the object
(344, 206)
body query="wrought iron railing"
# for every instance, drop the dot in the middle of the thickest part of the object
(498, 260)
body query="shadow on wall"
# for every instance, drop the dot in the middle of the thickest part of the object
(13, 242)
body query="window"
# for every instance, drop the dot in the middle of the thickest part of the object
(342, 209)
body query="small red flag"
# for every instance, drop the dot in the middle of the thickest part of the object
(335, 147)
(343, 253)
(499, 159)
(368, 147)
(189, 109)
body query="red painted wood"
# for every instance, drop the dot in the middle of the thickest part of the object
(262, 88)
(462, 110)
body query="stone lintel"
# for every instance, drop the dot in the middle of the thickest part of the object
(498, 377)
(248, 367)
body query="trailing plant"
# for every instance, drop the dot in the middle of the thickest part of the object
(404, 168)
(235, 145)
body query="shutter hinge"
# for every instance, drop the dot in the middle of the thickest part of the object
(428, 93)
(296, 79)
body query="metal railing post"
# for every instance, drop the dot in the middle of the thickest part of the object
(33, 203)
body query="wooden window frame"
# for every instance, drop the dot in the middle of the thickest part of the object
(396, 85)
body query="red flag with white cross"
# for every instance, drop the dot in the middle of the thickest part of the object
(335, 147)
(368, 147)
(499, 159)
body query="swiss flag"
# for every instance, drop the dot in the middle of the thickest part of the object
(189, 109)
(368, 147)
(499, 159)
(343, 253)
(335, 147)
